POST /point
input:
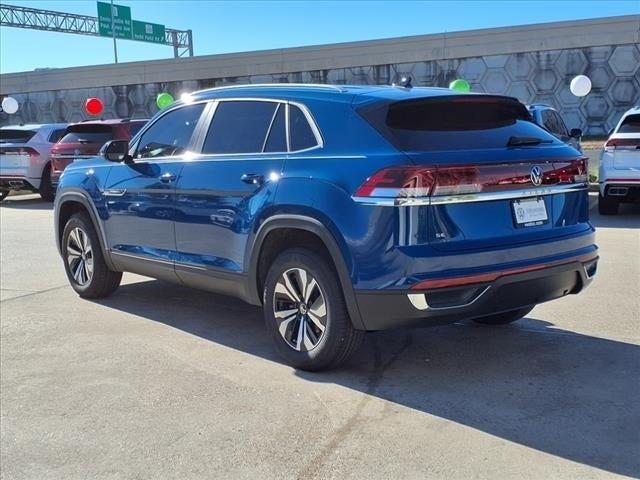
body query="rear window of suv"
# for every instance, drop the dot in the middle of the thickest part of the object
(15, 136)
(630, 124)
(453, 122)
(88, 133)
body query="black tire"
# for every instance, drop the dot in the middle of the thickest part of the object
(607, 206)
(3, 195)
(46, 190)
(504, 317)
(102, 281)
(339, 339)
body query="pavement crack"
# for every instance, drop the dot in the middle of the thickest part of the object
(37, 292)
(313, 467)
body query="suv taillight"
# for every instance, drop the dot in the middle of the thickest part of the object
(406, 182)
(20, 151)
(622, 143)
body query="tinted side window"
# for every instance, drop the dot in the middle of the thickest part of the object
(170, 134)
(548, 120)
(561, 128)
(134, 127)
(300, 131)
(277, 140)
(239, 127)
(56, 135)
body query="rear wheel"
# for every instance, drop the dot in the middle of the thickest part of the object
(505, 317)
(607, 205)
(305, 312)
(3, 194)
(46, 190)
(84, 263)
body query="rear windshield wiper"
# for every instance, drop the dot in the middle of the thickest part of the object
(523, 141)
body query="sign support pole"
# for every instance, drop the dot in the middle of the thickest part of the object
(113, 32)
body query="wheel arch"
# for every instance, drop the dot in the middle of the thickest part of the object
(312, 226)
(70, 202)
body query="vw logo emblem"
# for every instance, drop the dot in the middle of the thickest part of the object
(536, 176)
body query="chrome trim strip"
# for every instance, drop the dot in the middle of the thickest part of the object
(423, 303)
(469, 198)
(141, 257)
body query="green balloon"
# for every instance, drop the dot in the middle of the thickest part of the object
(164, 100)
(460, 85)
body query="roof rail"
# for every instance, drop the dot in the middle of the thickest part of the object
(323, 86)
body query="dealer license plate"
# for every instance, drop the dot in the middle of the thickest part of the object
(530, 212)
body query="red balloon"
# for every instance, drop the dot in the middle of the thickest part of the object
(93, 106)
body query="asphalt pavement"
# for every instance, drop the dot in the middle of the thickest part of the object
(159, 381)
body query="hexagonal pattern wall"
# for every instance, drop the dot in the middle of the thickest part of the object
(533, 77)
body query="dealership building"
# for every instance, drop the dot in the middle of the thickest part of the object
(534, 63)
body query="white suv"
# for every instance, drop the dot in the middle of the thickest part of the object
(619, 175)
(25, 158)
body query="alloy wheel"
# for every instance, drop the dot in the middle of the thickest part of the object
(80, 256)
(300, 309)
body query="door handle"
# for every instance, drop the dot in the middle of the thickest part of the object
(167, 177)
(252, 178)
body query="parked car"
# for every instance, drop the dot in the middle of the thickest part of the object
(340, 210)
(619, 172)
(83, 140)
(549, 119)
(25, 158)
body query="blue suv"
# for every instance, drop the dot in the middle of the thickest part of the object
(339, 209)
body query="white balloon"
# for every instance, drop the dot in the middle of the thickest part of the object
(580, 85)
(9, 105)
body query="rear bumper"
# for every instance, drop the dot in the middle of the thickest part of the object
(622, 190)
(508, 291)
(18, 183)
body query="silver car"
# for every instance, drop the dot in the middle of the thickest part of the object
(25, 158)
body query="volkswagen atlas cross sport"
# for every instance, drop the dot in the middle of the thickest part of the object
(338, 209)
(25, 158)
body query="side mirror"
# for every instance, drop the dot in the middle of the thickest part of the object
(116, 150)
(576, 133)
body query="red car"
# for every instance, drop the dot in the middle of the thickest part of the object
(84, 139)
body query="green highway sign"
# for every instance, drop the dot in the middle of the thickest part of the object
(148, 32)
(121, 20)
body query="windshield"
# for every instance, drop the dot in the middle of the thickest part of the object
(454, 123)
(631, 124)
(88, 134)
(15, 136)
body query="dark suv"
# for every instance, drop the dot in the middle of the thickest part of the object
(83, 140)
(338, 209)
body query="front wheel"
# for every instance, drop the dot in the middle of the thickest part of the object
(305, 312)
(505, 317)
(84, 263)
(3, 194)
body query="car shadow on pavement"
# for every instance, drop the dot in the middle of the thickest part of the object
(570, 395)
(627, 217)
(26, 202)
